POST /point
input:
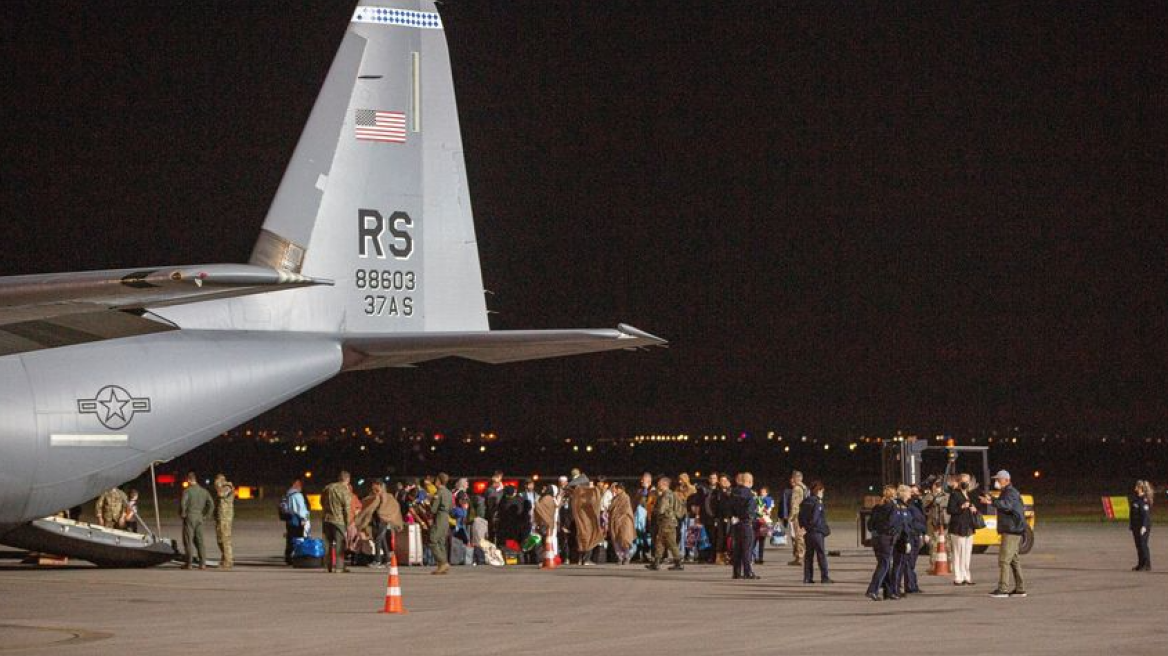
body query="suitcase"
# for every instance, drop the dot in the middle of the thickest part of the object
(407, 544)
(307, 553)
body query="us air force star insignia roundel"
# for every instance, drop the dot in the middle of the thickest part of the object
(115, 407)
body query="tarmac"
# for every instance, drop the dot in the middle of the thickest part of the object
(1083, 599)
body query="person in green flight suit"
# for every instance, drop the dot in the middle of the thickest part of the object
(194, 508)
(440, 505)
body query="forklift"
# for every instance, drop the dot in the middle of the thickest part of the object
(901, 463)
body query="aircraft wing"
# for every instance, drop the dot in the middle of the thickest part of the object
(59, 309)
(493, 347)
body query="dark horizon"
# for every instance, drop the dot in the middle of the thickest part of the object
(846, 221)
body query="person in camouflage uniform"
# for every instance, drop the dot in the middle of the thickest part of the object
(337, 501)
(798, 494)
(668, 510)
(195, 507)
(224, 516)
(111, 508)
(936, 502)
(440, 505)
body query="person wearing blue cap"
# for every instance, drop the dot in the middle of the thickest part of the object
(1011, 526)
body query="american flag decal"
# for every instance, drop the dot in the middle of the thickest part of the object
(376, 125)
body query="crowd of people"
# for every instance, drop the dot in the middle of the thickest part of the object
(660, 521)
(655, 521)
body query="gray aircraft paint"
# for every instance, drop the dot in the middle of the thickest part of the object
(333, 176)
(198, 385)
(90, 395)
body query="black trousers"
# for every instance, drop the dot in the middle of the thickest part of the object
(291, 532)
(743, 553)
(906, 576)
(881, 578)
(718, 537)
(816, 552)
(380, 543)
(1145, 555)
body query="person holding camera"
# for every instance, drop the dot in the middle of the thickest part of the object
(1011, 526)
(963, 518)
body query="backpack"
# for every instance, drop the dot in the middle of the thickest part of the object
(285, 509)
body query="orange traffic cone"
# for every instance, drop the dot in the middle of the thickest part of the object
(549, 556)
(941, 559)
(393, 595)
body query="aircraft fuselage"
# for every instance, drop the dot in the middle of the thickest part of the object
(77, 420)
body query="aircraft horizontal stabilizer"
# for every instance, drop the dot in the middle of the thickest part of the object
(44, 296)
(493, 347)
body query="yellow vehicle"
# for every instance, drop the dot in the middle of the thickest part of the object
(901, 463)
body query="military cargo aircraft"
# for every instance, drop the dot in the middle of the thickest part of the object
(367, 258)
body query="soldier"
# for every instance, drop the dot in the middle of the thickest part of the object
(798, 494)
(440, 506)
(936, 505)
(224, 515)
(111, 508)
(195, 507)
(667, 510)
(337, 500)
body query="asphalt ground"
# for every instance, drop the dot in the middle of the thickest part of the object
(1083, 599)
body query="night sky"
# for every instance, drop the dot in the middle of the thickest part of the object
(845, 220)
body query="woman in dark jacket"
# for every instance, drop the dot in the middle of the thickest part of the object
(813, 524)
(1141, 524)
(962, 511)
(884, 528)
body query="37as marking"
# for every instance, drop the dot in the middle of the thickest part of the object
(389, 306)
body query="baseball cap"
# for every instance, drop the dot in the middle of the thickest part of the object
(1002, 474)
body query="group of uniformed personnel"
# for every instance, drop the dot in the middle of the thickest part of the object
(898, 527)
(198, 505)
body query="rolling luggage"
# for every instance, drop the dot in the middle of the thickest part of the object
(408, 545)
(307, 553)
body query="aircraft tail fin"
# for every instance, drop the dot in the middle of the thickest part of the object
(376, 196)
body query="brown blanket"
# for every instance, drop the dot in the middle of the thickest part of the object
(586, 516)
(621, 523)
(545, 512)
